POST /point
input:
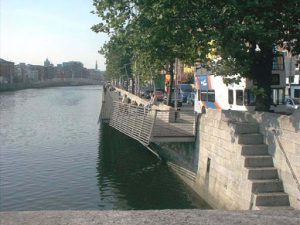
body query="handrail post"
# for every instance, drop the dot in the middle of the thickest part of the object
(141, 129)
(153, 124)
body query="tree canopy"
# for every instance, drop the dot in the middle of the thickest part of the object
(242, 35)
(247, 34)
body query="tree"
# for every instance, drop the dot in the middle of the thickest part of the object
(153, 30)
(245, 35)
(118, 56)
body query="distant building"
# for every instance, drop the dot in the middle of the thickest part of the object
(21, 73)
(74, 69)
(49, 70)
(47, 62)
(35, 73)
(95, 74)
(25, 73)
(6, 72)
(59, 71)
(293, 81)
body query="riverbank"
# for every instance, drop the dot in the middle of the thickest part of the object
(236, 160)
(208, 217)
(48, 83)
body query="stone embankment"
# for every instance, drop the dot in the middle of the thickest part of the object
(49, 83)
(249, 160)
(240, 160)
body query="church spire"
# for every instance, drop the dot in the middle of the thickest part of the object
(96, 66)
(47, 62)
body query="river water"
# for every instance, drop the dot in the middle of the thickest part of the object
(55, 156)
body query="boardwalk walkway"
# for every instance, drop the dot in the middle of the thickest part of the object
(148, 125)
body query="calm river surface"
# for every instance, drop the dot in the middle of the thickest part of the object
(55, 156)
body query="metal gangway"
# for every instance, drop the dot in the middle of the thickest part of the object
(149, 124)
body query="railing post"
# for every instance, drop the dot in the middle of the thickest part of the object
(153, 124)
(141, 129)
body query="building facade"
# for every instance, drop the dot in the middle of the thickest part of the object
(6, 72)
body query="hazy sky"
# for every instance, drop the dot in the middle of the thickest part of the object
(33, 30)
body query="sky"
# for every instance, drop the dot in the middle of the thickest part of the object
(60, 30)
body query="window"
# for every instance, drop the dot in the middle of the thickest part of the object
(203, 96)
(239, 98)
(289, 101)
(208, 96)
(211, 96)
(275, 79)
(230, 97)
(278, 62)
(277, 96)
(297, 93)
(296, 101)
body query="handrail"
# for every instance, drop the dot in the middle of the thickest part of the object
(145, 124)
(134, 121)
(287, 160)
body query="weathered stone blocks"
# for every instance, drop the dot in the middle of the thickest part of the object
(235, 158)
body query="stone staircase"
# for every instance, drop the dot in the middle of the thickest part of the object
(267, 188)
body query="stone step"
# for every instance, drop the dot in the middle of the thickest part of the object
(250, 139)
(272, 199)
(273, 208)
(264, 186)
(245, 128)
(258, 161)
(261, 149)
(262, 173)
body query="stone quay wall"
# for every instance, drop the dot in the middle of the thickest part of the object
(221, 178)
(214, 166)
(49, 83)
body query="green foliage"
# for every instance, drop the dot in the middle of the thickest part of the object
(153, 31)
(118, 58)
(238, 27)
(223, 35)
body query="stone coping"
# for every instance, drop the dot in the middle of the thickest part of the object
(287, 122)
(193, 216)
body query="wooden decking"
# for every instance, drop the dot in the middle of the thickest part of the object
(148, 125)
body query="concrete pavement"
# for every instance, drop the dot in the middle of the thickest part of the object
(207, 217)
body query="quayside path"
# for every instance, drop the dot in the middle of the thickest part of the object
(158, 124)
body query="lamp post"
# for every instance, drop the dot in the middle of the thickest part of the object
(175, 84)
(132, 88)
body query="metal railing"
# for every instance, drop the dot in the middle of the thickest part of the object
(135, 121)
(146, 125)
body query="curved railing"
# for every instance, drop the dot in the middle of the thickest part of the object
(287, 161)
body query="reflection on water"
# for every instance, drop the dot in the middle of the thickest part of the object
(137, 178)
(54, 156)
